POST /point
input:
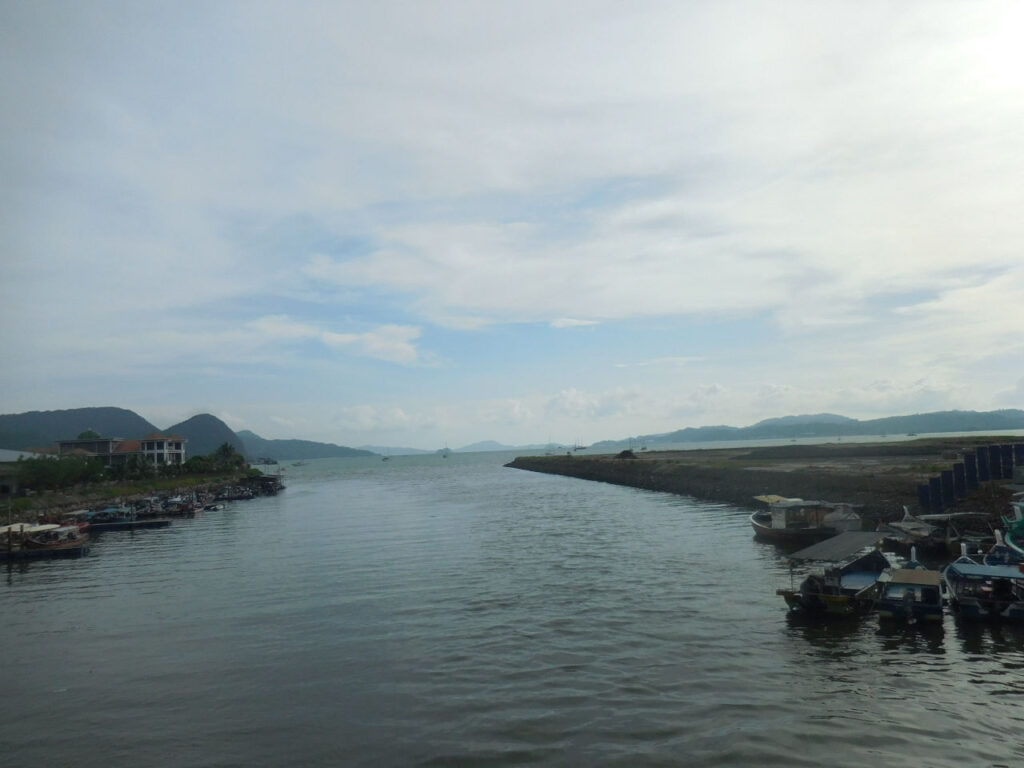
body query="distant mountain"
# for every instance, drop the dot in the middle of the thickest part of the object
(486, 445)
(817, 418)
(205, 434)
(287, 450)
(832, 425)
(391, 450)
(39, 429)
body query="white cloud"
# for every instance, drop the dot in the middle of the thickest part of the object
(840, 183)
(568, 322)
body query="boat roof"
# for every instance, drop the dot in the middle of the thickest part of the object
(920, 576)
(28, 527)
(839, 547)
(978, 570)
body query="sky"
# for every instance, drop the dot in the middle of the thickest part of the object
(435, 223)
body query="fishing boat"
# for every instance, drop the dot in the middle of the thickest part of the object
(21, 541)
(909, 595)
(117, 518)
(913, 532)
(971, 529)
(985, 592)
(1014, 523)
(796, 521)
(843, 587)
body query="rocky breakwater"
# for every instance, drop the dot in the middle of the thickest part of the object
(881, 477)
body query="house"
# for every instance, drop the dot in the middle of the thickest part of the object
(156, 449)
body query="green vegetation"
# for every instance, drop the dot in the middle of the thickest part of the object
(50, 473)
(54, 472)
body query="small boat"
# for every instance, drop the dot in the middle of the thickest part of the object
(910, 595)
(1014, 537)
(973, 529)
(913, 532)
(117, 518)
(838, 590)
(1002, 553)
(22, 541)
(796, 521)
(985, 592)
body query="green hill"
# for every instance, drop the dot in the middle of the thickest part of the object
(205, 434)
(40, 429)
(290, 450)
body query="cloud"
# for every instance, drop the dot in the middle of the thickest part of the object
(836, 186)
(391, 343)
(568, 322)
(675, 362)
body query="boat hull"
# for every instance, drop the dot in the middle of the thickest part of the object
(801, 536)
(43, 553)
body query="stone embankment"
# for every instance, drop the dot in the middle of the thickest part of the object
(881, 477)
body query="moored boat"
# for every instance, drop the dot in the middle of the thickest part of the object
(909, 594)
(797, 521)
(21, 541)
(985, 592)
(844, 587)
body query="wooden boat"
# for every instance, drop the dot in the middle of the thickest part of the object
(21, 541)
(796, 521)
(909, 594)
(972, 529)
(913, 532)
(985, 592)
(844, 588)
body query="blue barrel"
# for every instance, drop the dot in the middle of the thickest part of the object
(995, 462)
(923, 499)
(971, 467)
(959, 480)
(935, 494)
(946, 481)
(983, 474)
(1018, 454)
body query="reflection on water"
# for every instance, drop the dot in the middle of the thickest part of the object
(428, 612)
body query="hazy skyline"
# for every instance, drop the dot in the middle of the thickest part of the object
(446, 222)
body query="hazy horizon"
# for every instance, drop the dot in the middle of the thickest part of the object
(428, 224)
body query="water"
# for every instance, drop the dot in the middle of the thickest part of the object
(428, 611)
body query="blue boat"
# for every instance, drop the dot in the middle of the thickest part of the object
(118, 519)
(910, 595)
(985, 592)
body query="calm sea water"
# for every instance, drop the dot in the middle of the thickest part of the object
(428, 611)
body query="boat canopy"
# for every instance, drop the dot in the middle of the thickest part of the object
(28, 527)
(774, 498)
(978, 571)
(916, 576)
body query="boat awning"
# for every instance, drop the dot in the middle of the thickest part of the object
(978, 571)
(917, 576)
(773, 498)
(28, 527)
(839, 547)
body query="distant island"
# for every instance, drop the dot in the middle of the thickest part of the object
(835, 426)
(39, 430)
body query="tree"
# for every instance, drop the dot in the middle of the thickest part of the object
(227, 459)
(89, 434)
